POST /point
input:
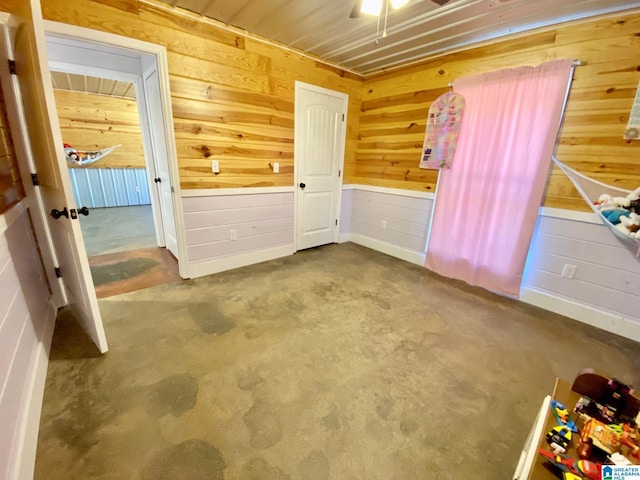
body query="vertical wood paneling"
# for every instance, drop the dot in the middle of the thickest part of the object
(607, 275)
(92, 122)
(23, 308)
(110, 187)
(260, 221)
(394, 106)
(232, 96)
(406, 219)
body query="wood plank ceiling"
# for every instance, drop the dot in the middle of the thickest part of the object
(422, 29)
(101, 86)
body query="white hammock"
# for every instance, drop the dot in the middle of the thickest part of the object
(591, 190)
(81, 157)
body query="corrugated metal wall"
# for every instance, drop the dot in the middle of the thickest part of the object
(110, 187)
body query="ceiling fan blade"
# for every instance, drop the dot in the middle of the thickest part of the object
(440, 2)
(355, 11)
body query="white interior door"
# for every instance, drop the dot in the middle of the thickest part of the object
(43, 132)
(320, 129)
(158, 145)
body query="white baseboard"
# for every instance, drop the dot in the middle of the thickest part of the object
(30, 424)
(583, 313)
(389, 249)
(344, 237)
(217, 265)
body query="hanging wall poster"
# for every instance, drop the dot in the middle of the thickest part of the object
(633, 127)
(441, 135)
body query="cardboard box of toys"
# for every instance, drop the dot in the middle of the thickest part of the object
(602, 428)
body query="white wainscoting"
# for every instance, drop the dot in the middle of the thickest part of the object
(26, 326)
(262, 224)
(110, 187)
(346, 208)
(605, 291)
(390, 220)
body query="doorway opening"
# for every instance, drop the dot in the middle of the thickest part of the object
(104, 98)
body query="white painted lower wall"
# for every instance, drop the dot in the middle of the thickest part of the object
(235, 229)
(604, 293)
(26, 326)
(392, 221)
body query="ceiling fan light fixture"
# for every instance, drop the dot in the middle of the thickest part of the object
(396, 4)
(371, 7)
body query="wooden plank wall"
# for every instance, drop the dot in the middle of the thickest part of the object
(93, 122)
(11, 190)
(232, 96)
(394, 106)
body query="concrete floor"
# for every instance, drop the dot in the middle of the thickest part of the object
(335, 363)
(116, 229)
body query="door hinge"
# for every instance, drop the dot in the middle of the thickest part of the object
(58, 272)
(336, 221)
(12, 67)
(339, 173)
(35, 180)
(343, 117)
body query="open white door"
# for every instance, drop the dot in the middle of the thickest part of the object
(158, 146)
(43, 132)
(320, 130)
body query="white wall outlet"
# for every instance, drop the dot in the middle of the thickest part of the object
(233, 234)
(569, 271)
(383, 224)
(215, 166)
(276, 167)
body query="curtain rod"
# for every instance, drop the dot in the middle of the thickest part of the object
(575, 63)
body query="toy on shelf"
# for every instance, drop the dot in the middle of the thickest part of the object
(562, 415)
(597, 440)
(559, 438)
(570, 466)
(607, 413)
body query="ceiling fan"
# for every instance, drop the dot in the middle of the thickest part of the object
(374, 7)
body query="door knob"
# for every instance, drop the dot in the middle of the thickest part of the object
(302, 185)
(59, 213)
(83, 211)
(157, 180)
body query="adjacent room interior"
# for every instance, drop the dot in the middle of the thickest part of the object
(395, 233)
(100, 125)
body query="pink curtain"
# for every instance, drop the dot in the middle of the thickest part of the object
(487, 202)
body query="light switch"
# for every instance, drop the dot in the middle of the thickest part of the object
(276, 167)
(215, 166)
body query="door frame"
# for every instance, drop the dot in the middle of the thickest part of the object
(297, 149)
(160, 54)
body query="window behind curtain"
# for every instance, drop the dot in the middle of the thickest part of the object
(487, 202)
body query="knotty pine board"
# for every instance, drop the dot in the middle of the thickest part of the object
(227, 88)
(232, 96)
(11, 190)
(395, 104)
(92, 122)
